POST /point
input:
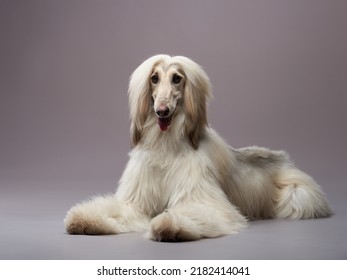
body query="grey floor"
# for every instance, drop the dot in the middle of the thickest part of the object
(32, 228)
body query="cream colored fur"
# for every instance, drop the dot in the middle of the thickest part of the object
(182, 181)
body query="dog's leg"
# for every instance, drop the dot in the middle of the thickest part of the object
(193, 221)
(104, 215)
(298, 196)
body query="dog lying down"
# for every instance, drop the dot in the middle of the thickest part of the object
(182, 181)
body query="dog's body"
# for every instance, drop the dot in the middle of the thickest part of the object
(182, 181)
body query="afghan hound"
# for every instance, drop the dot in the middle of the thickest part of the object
(182, 181)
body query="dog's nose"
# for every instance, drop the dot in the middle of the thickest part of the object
(163, 111)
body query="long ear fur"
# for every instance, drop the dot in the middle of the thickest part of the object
(140, 96)
(197, 90)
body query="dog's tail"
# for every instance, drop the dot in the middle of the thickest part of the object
(298, 196)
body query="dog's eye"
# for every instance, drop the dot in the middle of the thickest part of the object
(176, 79)
(154, 78)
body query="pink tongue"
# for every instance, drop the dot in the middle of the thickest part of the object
(164, 123)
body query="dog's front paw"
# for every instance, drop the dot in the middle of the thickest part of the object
(163, 228)
(78, 221)
(76, 227)
(167, 227)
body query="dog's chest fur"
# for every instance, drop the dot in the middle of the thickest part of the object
(160, 177)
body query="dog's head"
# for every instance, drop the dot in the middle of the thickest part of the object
(163, 87)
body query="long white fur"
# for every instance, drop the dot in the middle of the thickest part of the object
(186, 183)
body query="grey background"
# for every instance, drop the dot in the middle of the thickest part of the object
(279, 75)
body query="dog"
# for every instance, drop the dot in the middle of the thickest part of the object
(182, 181)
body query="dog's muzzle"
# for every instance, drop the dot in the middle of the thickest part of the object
(164, 117)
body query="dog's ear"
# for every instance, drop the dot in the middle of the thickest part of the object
(140, 96)
(140, 116)
(197, 90)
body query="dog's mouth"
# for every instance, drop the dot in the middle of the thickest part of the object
(164, 123)
(164, 117)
